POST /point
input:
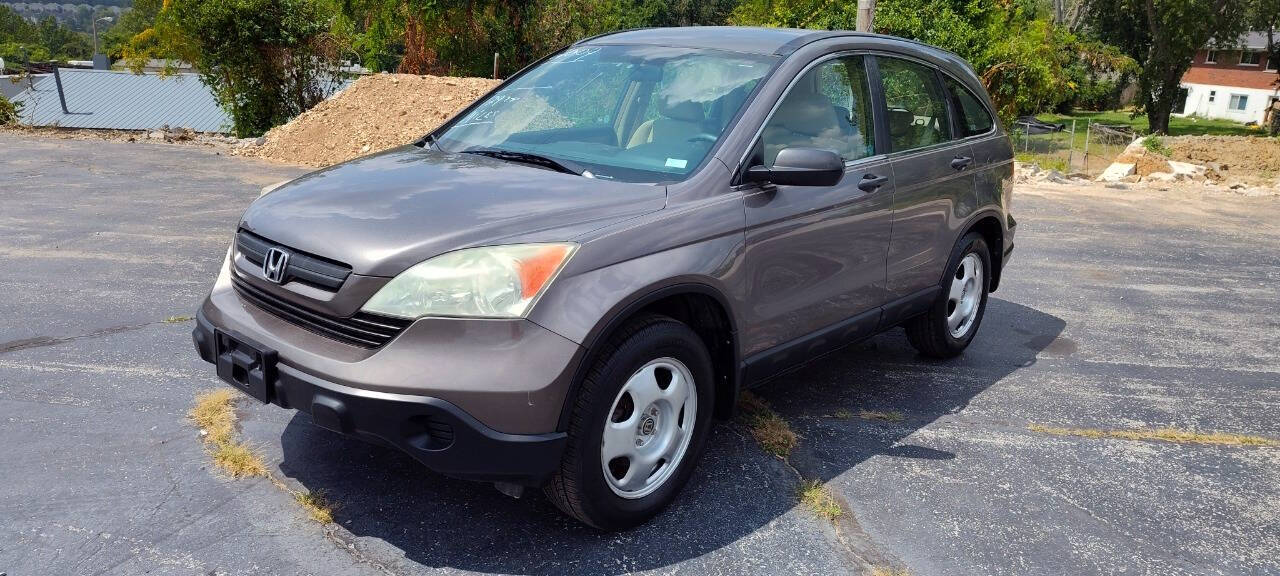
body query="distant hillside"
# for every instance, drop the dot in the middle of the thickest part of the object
(77, 16)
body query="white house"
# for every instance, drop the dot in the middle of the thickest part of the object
(1233, 84)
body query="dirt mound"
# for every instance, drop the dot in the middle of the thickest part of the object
(374, 113)
(1251, 159)
(1145, 163)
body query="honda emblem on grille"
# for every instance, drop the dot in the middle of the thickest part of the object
(274, 264)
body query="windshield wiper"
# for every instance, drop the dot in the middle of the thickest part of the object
(527, 158)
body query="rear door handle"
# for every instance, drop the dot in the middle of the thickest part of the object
(961, 162)
(871, 182)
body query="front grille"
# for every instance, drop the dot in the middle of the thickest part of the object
(362, 329)
(302, 267)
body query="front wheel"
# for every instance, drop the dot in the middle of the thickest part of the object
(949, 325)
(638, 425)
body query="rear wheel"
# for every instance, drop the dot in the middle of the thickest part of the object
(950, 324)
(638, 425)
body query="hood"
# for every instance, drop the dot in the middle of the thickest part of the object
(384, 213)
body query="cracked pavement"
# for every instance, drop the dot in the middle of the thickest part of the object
(1120, 308)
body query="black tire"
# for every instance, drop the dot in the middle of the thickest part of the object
(928, 332)
(579, 488)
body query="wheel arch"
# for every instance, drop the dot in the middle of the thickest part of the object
(699, 305)
(988, 224)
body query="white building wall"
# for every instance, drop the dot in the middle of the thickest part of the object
(1198, 103)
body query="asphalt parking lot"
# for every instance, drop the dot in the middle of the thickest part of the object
(1120, 309)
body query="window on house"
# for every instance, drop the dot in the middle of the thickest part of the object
(1213, 94)
(1250, 58)
(1239, 102)
(1211, 57)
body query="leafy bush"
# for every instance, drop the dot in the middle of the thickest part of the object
(9, 111)
(1155, 145)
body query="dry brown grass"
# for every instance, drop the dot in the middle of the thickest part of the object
(215, 415)
(893, 416)
(819, 499)
(1160, 434)
(316, 504)
(770, 430)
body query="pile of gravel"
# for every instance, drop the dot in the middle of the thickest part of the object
(374, 113)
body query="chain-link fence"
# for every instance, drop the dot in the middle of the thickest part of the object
(1077, 147)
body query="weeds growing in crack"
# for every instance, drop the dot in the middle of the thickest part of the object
(892, 416)
(820, 499)
(215, 415)
(772, 432)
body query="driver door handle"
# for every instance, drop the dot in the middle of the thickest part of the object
(961, 162)
(871, 182)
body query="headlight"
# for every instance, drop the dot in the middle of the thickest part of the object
(489, 282)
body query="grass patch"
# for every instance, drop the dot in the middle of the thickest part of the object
(819, 499)
(239, 461)
(215, 415)
(770, 430)
(177, 319)
(1162, 434)
(316, 504)
(842, 414)
(1178, 126)
(1044, 161)
(893, 416)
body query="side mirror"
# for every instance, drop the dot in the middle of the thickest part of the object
(801, 167)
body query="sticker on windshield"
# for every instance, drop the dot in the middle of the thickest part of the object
(677, 163)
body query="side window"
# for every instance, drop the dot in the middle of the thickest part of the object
(917, 112)
(828, 108)
(973, 116)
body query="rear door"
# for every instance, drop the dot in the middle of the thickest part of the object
(816, 254)
(932, 172)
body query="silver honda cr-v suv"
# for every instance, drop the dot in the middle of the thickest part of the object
(564, 284)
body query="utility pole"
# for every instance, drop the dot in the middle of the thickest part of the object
(95, 32)
(866, 13)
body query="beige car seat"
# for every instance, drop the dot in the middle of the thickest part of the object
(676, 123)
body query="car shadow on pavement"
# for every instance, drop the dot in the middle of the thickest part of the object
(435, 521)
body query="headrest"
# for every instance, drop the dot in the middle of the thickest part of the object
(900, 122)
(684, 110)
(807, 113)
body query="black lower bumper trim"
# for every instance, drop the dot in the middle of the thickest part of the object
(435, 432)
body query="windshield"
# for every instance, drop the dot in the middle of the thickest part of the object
(628, 113)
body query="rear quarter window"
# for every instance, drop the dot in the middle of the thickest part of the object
(971, 115)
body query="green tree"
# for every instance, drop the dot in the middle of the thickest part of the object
(1163, 36)
(1026, 61)
(265, 60)
(131, 22)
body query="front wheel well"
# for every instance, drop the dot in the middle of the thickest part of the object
(993, 234)
(709, 318)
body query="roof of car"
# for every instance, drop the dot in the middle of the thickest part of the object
(779, 41)
(732, 38)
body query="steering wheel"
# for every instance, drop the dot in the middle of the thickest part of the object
(705, 136)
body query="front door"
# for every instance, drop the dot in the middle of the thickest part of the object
(816, 255)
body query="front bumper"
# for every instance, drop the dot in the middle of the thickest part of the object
(435, 432)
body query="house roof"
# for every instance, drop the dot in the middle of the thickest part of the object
(1249, 41)
(1232, 77)
(123, 101)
